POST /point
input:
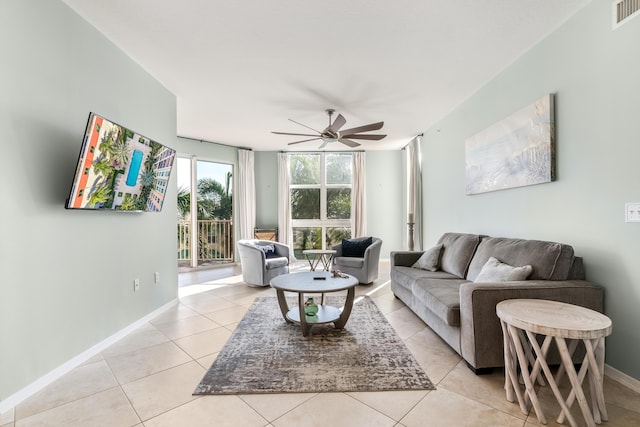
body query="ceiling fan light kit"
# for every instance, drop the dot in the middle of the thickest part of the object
(332, 132)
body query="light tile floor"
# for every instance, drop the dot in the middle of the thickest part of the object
(147, 378)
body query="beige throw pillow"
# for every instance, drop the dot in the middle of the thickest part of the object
(430, 259)
(496, 271)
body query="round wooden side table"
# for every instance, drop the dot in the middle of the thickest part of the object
(522, 321)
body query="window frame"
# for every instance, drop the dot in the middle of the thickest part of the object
(323, 222)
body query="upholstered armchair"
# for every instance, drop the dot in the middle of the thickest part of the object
(358, 258)
(262, 260)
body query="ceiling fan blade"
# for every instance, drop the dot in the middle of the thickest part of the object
(365, 128)
(298, 123)
(373, 137)
(337, 123)
(304, 140)
(296, 134)
(324, 144)
(349, 142)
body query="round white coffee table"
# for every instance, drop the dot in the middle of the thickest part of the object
(317, 282)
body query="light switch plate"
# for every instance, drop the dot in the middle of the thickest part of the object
(632, 212)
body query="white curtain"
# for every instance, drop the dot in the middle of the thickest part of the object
(358, 207)
(284, 203)
(247, 194)
(414, 189)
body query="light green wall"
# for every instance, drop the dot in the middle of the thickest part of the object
(67, 276)
(594, 73)
(208, 151)
(384, 199)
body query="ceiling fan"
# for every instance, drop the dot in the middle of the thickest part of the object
(332, 133)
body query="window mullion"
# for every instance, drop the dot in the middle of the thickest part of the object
(323, 199)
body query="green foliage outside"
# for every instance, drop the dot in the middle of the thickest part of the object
(306, 238)
(338, 168)
(338, 203)
(305, 169)
(336, 234)
(305, 202)
(214, 200)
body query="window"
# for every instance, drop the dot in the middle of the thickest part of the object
(320, 199)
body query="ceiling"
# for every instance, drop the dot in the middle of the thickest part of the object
(240, 69)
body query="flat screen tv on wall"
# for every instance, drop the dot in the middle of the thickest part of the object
(119, 169)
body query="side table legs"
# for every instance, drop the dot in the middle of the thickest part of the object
(518, 354)
(528, 322)
(319, 259)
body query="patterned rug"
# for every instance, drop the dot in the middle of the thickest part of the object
(267, 355)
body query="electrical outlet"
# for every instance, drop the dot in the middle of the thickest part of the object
(632, 212)
(157, 277)
(136, 284)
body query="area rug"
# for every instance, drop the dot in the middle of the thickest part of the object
(267, 355)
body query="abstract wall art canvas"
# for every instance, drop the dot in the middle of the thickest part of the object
(515, 152)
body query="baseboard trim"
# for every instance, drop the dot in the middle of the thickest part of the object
(28, 391)
(622, 378)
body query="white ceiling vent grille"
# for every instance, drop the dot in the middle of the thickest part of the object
(624, 11)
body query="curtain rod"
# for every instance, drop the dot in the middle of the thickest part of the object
(420, 134)
(350, 151)
(211, 142)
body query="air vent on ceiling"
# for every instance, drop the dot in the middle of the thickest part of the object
(624, 11)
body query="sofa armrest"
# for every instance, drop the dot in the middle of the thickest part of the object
(480, 330)
(338, 248)
(281, 249)
(404, 258)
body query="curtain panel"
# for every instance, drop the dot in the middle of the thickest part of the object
(284, 203)
(358, 202)
(414, 189)
(247, 194)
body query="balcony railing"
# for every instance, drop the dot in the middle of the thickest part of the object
(215, 240)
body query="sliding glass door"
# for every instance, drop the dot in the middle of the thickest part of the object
(205, 212)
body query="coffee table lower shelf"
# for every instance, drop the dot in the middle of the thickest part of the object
(326, 314)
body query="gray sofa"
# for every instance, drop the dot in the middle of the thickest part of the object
(462, 312)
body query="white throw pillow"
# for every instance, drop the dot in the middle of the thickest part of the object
(496, 271)
(430, 259)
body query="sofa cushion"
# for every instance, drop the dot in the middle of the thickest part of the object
(496, 271)
(430, 259)
(355, 247)
(441, 296)
(405, 276)
(458, 249)
(549, 260)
